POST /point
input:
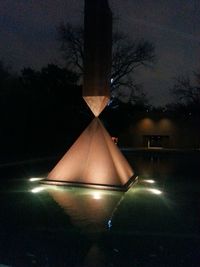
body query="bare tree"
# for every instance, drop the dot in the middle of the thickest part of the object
(72, 46)
(127, 56)
(187, 92)
(4, 74)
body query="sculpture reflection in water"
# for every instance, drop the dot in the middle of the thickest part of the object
(89, 209)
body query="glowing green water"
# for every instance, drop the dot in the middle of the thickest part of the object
(155, 223)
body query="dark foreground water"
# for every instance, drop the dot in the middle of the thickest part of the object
(155, 223)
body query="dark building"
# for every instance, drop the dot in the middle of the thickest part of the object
(161, 129)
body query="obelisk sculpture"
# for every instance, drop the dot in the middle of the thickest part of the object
(94, 160)
(97, 54)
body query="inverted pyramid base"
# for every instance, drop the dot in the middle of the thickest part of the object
(133, 180)
(93, 161)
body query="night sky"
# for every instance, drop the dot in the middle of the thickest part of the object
(28, 35)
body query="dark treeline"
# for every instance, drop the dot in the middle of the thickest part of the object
(43, 112)
(40, 111)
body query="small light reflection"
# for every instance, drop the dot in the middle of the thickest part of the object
(149, 181)
(37, 189)
(96, 195)
(35, 179)
(155, 191)
(56, 188)
(109, 224)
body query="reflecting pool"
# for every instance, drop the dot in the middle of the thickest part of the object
(155, 223)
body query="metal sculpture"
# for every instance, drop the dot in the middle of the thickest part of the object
(94, 159)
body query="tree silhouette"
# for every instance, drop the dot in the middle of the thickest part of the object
(187, 92)
(127, 56)
(4, 76)
(40, 110)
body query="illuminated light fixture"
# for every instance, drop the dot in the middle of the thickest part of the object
(35, 179)
(149, 181)
(37, 189)
(154, 191)
(97, 195)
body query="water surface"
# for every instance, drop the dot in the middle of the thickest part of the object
(154, 223)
